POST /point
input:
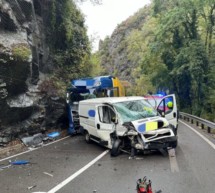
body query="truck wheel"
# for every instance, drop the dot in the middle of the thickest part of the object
(87, 137)
(115, 151)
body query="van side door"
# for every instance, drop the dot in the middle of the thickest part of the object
(168, 109)
(104, 123)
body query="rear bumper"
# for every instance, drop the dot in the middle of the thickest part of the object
(162, 143)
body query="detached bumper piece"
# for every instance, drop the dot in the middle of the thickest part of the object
(163, 143)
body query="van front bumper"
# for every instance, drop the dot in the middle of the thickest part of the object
(162, 143)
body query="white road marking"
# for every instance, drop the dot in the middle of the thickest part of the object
(48, 174)
(73, 176)
(173, 161)
(33, 149)
(200, 135)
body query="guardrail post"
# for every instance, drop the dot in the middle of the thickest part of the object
(202, 125)
(192, 121)
(197, 123)
(209, 130)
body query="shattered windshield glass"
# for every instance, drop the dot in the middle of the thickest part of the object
(134, 110)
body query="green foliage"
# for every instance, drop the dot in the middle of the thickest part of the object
(21, 52)
(170, 46)
(188, 60)
(66, 33)
(69, 45)
(96, 68)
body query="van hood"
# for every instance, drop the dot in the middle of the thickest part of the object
(149, 124)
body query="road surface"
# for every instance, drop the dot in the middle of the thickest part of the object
(72, 166)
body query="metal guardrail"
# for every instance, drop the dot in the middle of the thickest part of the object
(198, 121)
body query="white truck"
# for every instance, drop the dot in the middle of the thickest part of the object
(129, 124)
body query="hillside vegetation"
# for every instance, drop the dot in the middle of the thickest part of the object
(168, 45)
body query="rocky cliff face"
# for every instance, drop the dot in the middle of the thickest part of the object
(114, 50)
(24, 58)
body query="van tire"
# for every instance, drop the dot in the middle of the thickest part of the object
(115, 151)
(87, 137)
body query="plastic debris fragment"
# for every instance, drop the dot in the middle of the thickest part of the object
(48, 174)
(54, 134)
(4, 167)
(31, 187)
(19, 162)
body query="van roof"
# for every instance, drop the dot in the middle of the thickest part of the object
(111, 99)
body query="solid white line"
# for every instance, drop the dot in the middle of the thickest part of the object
(173, 160)
(200, 135)
(33, 149)
(73, 176)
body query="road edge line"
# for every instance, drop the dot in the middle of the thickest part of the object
(173, 160)
(33, 149)
(73, 176)
(200, 135)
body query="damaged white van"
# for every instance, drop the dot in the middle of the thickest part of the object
(129, 124)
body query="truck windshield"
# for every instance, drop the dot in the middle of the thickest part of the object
(134, 110)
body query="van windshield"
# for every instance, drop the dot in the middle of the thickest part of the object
(134, 110)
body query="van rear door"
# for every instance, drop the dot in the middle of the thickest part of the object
(104, 118)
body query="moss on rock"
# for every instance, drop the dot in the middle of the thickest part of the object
(21, 52)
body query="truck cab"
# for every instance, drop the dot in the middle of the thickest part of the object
(86, 88)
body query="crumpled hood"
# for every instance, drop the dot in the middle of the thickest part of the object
(150, 124)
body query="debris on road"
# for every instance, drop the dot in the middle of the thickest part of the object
(142, 185)
(4, 167)
(37, 140)
(19, 162)
(48, 174)
(33, 141)
(31, 187)
(53, 135)
(139, 158)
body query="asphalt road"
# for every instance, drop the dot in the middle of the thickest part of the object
(67, 167)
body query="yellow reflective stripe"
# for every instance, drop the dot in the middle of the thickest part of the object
(150, 126)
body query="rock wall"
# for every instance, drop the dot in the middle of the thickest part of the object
(114, 49)
(24, 58)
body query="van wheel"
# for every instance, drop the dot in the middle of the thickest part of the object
(115, 151)
(87, 137)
